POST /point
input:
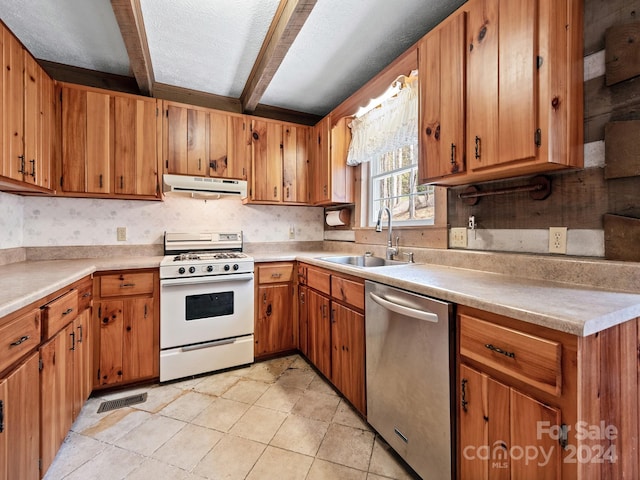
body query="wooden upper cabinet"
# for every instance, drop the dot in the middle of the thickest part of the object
(332, 179)
(266, 151)
(295, 159)
(109, 144)
(135, 146)
(229, 145)
(187, 138)
(175, 139)
(28, 115)
(523, 85)
(197, 139)
(441, 73)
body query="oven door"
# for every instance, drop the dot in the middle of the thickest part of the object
(201, 309)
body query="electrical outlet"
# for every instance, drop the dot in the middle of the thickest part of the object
(459, 237)
(121, 233)
(558, 240)
(292, 232)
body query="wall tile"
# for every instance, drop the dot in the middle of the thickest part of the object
(11, 223)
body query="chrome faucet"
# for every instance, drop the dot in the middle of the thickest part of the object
(391, 250)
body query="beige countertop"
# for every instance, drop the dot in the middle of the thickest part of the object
(574, 309)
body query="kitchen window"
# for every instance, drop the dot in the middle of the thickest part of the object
(393, 183)
(385, 143)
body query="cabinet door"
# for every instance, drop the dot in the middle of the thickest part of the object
(482, 87)
(3, 430)
(135, 149)
(31, 118)
(99, 151)
(197, 139)
(321, 182)
(319, 337)
(13, 108)
(347, 354)
(74, 146)
(111, 315)
(56, 386)
(176, 139)
(139, 352)
(295, 171)
(83, 358)
(239, 145)
(46, 130)
(219, 126)
(267, 161)
(484, 423)
(526, 417)
(274, 329)
(303, 325)
(20, 436)
(442, 63)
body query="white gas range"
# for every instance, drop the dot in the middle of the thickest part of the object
(206, 304)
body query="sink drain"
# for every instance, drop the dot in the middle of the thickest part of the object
(122, 402)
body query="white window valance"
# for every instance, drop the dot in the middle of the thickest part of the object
(392, 125)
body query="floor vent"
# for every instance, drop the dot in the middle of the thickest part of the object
(122, 402)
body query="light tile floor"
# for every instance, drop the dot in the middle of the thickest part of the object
(272, 420)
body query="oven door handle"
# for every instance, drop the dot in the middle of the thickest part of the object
(236, 277)
(215, 343)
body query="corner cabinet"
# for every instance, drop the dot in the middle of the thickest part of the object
(28, 129)
(127, 328)
(524, 84)
(331, 327)
(109, 144)
(274, 322)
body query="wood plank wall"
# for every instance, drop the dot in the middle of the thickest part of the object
(579, 199)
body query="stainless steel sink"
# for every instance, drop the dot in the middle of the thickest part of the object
(363, 261)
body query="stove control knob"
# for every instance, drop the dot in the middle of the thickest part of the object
(192, 269)
(226, 268)
(209, 268)
(236, 266)
(181, 270)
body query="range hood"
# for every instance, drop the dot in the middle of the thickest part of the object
(202, 186)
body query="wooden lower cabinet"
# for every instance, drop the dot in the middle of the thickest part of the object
(57, 390)
(127, 327)
(83, 361)
(501, 432)
(348, 354)
(20, 414)
(319, 332)
(274, 322)
(331, 313)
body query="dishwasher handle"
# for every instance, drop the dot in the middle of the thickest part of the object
(403, 310)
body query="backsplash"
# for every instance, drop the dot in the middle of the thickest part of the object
(11, 221)
(44, 221)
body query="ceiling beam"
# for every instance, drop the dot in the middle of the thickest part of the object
(284, 29)
(129, 16)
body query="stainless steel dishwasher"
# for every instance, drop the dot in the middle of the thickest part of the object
(410, 357)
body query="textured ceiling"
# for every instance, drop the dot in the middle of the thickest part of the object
(211, 45)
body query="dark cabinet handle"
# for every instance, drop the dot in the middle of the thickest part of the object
(463, 394)
(477, 147)
(453, 153)
(500, 351)
(199, 164)
(67, 311)
(33, 168)
(275, 192)
(269, 310)
(80, 334)
(73, 340)
(21, 169)
(20, 341)
(86, 294)
(121, 182)
(100, 181)
(127, 285)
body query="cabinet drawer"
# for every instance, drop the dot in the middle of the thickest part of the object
(59, 312)
(275, 273)
(529, 358)
(126, 284)
(85, 295)
(319, 279)
(348, 291)
(18, 337)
